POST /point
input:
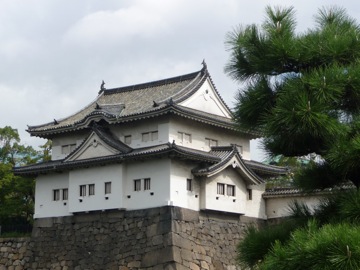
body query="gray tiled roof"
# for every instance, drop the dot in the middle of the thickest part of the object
(168, 149)
(224, 153)
(215, 159)
(291, 192)
(227, 152)
(265, 169)
(136, 102)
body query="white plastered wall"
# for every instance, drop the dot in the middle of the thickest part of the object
(201, 131)
(58, 142)
(213, 201)
(179, 195)
(205, 99)
(45, 206)
(256, 206)
(94, 147)
(98, 176)
(279, 206)
(136, 129)
(159, 194)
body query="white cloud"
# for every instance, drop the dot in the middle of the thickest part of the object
(120, 26)
(54, 54)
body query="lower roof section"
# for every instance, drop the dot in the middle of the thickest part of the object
(205, 163)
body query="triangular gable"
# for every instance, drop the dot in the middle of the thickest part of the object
(206, 99)
(92, 147)
(238, 165)
(234, 161)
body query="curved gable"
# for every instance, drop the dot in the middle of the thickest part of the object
(206, 99)
(93, 147)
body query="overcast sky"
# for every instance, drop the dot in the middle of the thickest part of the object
(55, 53)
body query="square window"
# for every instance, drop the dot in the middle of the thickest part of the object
(220, 189)
(145, 137)
(107, 187)
(56, 194)
(91, 189)
(187, 138)
(65, 149)
(180, 136)
(211, 142)
(137, 184)
(189, 184)
(154, 135)
(184, 137)
(207, 142)
(82, 190)
(65, 194)
(127, 139)
(230, 190)
(147, 184)
(68, 148)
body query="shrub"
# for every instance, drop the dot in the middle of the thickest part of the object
(331, 247)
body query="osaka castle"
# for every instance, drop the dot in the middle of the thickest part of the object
(171, 142)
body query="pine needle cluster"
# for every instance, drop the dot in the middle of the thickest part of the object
(302, 90)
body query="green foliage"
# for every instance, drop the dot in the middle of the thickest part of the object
(323, 243)
(317, 248)
(302, 91)
(46, 151)
(258, 241)
(317, 176)
(15, 235)
(16, 193)
(343, 206)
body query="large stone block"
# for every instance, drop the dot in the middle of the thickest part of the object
(156, 257)
(150, 239)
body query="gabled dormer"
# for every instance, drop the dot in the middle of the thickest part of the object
(100, 143)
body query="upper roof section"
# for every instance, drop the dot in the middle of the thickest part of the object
(178, 95)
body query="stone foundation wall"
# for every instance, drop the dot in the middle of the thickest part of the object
(14, 253)
(151, 239)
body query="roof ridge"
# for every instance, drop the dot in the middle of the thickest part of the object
(152, 83)
(180, 95)
(222, 148)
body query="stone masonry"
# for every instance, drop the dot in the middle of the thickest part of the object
(14, 253)
(150, 239)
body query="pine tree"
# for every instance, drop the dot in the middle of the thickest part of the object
(302, 90)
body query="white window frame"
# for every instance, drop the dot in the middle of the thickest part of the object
(189, 184)
(226, 190)
(137, 184)
(184, 137)
(220, 189)
(91, 189)
(127, 139)
(65, 194)
(211, 142)
(154, 135)
(147, 183)
(82, 190)
(150, 136)
(56, 194)
(230, 190)
(68, 148)
(107, 187)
